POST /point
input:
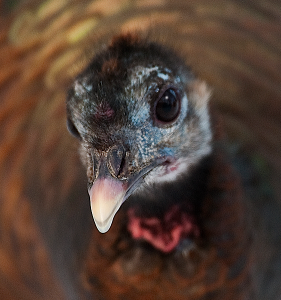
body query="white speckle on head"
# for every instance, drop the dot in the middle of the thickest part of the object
(78, 88)
(163, 76)
(88, 87)
(81, 86)
(140, 73)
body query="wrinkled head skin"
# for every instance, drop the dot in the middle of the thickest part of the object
(126, 147)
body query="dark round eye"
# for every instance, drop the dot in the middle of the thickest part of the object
(168, 106)
(72, 129)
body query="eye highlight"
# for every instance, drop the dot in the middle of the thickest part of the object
(168, 106)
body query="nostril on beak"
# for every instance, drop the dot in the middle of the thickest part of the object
(116, 160)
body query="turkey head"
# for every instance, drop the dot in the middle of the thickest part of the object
(142, 119)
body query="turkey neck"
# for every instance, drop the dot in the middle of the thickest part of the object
(215, 265)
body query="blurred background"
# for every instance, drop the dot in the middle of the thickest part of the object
(45, 221)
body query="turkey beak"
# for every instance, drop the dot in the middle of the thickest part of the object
(108, 192)
(106, 196)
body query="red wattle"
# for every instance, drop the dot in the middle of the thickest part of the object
(164, 234)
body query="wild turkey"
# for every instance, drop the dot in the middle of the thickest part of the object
(225, 222)
(144, 127)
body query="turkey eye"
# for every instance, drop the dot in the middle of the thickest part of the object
(72, 129)
(168, 106)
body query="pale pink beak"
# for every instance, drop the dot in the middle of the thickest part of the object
(106, 196)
